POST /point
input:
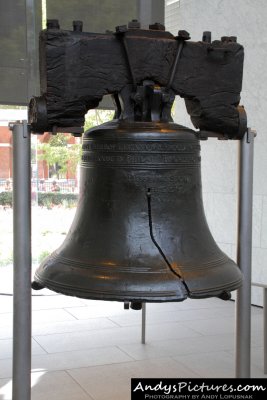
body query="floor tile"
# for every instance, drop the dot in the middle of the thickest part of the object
(6, 331)
(218, 364)
(99, 309)
(38, 317)
(105, 308)
(6, 318)
(78, 359)
(70, 359)
(111, 337)
(6, 304)
(49, 385)
(54, 315)
(6, 348)
(88, 339)
(6, 368)
(192, 304)
(77, 342)
(5, 389)
(223, 325)
(212, 325)
(176, 330)
(118, 377)
(152, 316)
(55, 301)
(257, 361)
(165, 348)
(72, 326)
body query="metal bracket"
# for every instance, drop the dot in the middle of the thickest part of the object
(250, 135)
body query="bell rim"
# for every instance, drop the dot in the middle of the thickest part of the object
(111, 296)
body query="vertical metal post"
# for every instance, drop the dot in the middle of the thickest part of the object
(143, 335)
(150, 11)
(244, 250)
(21, 389)
(265, 328)
(33, 19)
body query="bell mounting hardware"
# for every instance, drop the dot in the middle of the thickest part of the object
(140, 232)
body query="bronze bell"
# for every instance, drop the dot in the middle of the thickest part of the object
(140, 232)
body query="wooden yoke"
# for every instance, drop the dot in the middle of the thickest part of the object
(78, 68)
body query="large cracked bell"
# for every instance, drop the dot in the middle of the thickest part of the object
(140, 232)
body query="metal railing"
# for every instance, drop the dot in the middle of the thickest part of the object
(65, 185)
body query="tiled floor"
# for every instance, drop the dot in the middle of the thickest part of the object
(89, 350)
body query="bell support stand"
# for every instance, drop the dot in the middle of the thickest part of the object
(145, 101)
(244, 250)
(22, 261)
(21, 388)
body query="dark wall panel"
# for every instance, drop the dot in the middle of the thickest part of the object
(19, 20)
(96, 15)
(20, 23)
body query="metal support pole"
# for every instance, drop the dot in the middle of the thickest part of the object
(150, 11)
(143, 335)
(21, 389)
(244, 250)
(265, 328)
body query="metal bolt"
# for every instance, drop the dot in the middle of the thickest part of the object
(206, 37)
(11, 126)
(233, 39)
(77, 26)
(134, 24)
(157, 26)
(52, 24)
(183, 35)
(121, 29)
(225, 295)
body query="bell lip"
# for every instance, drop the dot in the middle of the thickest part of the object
(196, 294)
(170, 289)
(215, 292)
(89, 295)
(185, 288)
(200, 294)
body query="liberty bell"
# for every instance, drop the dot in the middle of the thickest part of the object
(140, 232)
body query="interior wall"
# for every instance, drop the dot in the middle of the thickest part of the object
(245, 19)
(20, 23)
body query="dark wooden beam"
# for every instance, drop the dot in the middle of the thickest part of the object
(77, 69)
